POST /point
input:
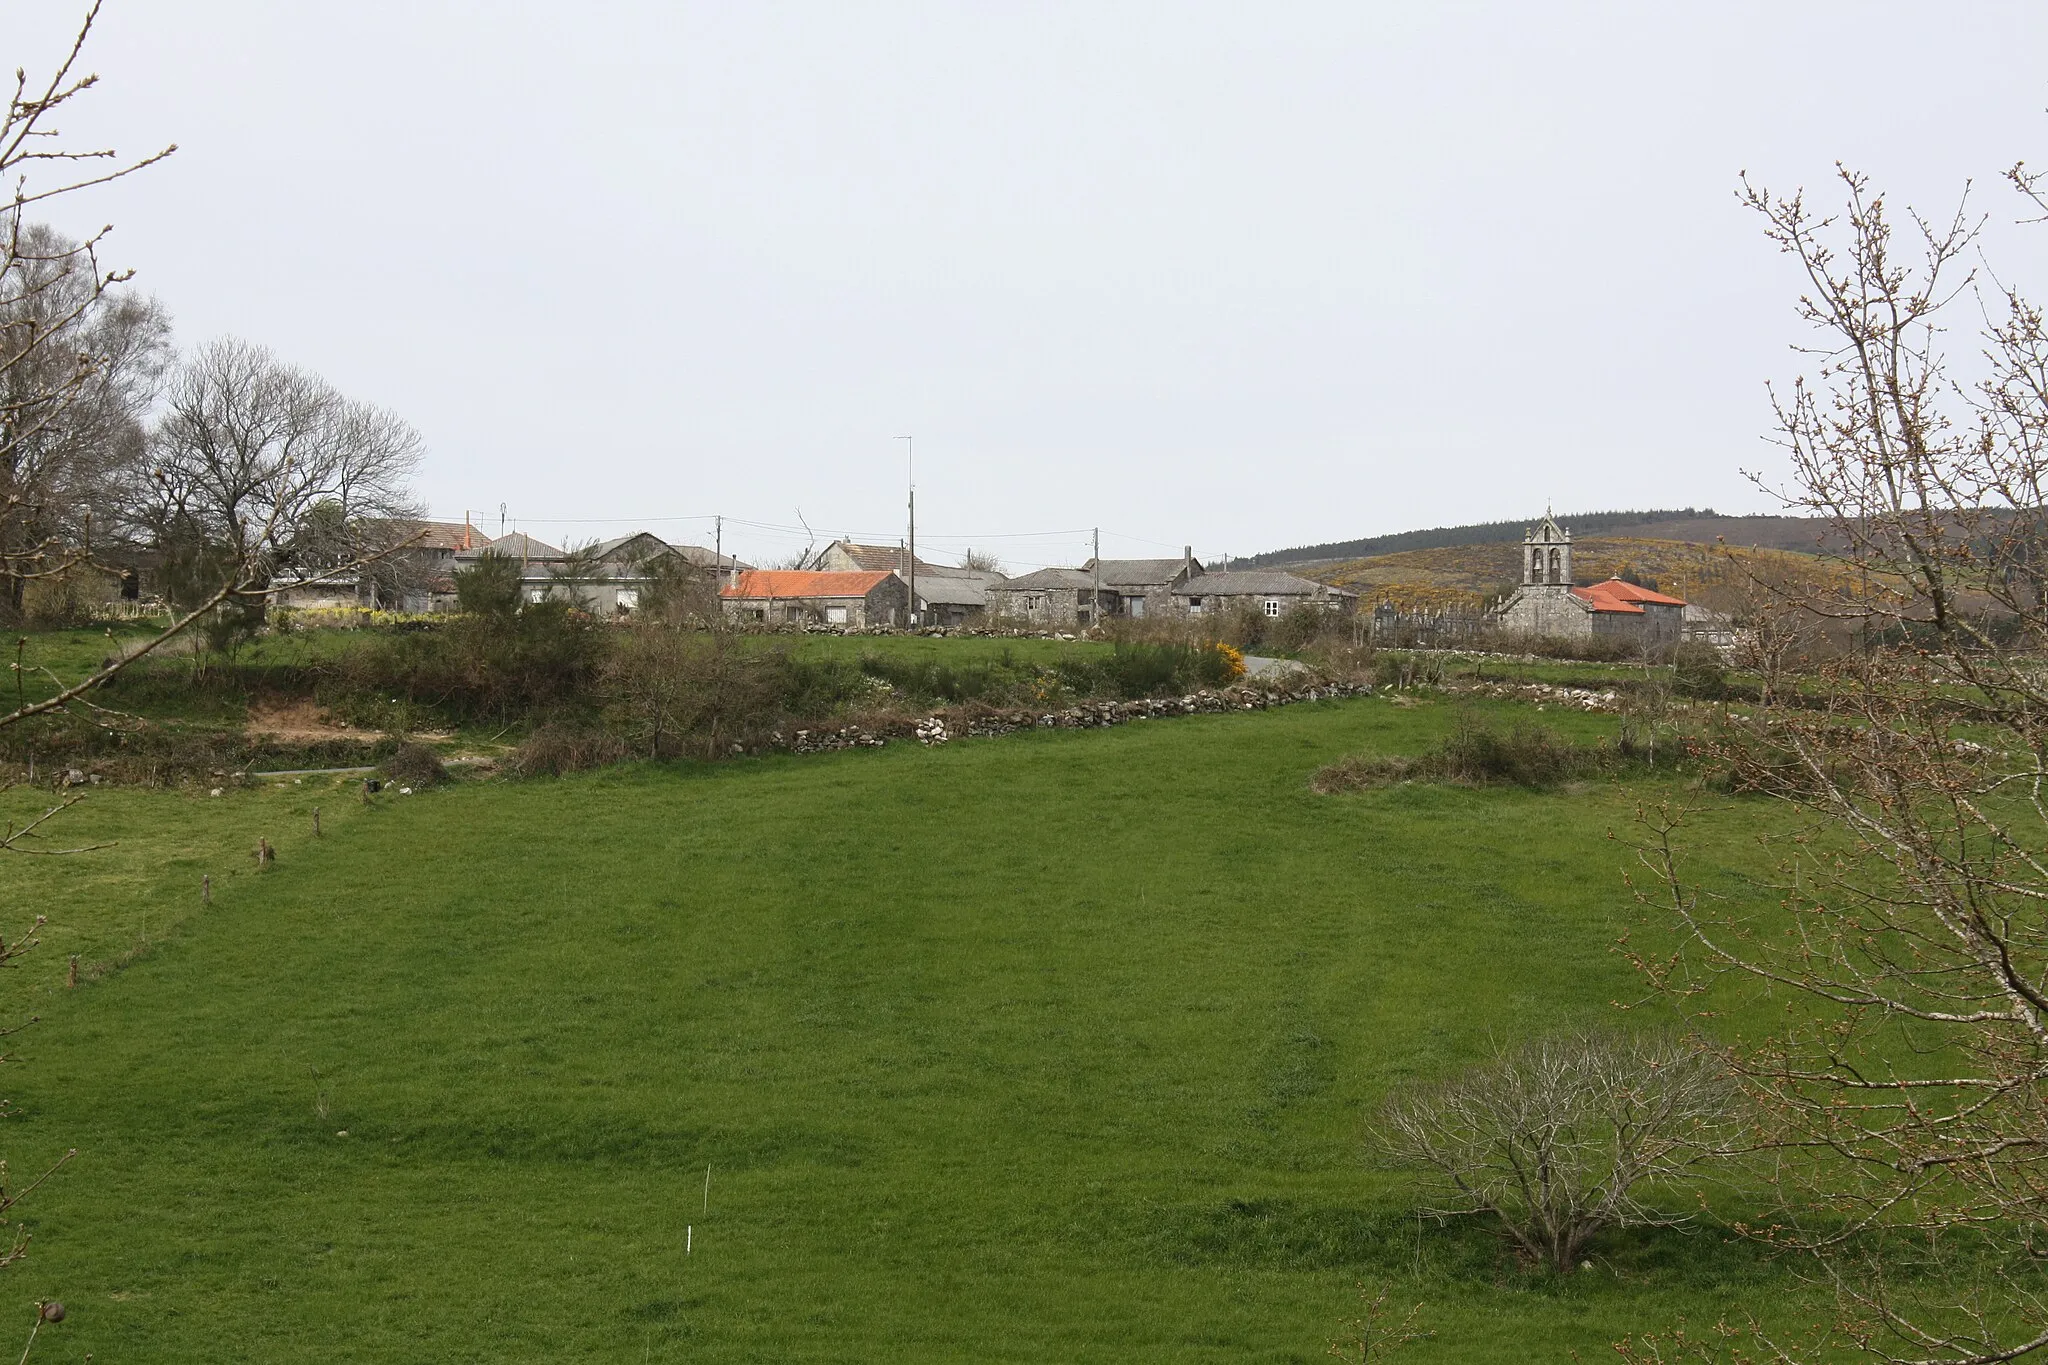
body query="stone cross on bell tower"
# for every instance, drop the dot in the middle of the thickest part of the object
(1547, 555)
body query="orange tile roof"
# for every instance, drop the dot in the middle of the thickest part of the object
(1615, 595)
(777, 583)
(1629, 592)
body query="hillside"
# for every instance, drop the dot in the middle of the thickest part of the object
(1470, 575)
(1698, 526)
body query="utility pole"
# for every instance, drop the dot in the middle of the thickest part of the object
(1095, 607)
(910, 476)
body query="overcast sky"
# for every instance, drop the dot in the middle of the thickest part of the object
(1246, 276)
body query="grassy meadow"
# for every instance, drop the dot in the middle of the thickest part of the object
(1049, 1048)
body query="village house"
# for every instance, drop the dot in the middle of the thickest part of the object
(1077, 599)
(947, 594)
(1144, 587)
(605, 578)
(852, 599)
(1268, 592)
(1549, 603)
(1053, 599)
(416, 577)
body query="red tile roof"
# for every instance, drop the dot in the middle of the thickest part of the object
(779, 583)
(1615, 595)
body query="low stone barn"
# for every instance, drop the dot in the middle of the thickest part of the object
(1266, 591)
(951, 599)
(795, 596)
(1057, 599)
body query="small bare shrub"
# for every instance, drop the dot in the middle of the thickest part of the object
(553, 750)
(1561, 1138)
(415, 765)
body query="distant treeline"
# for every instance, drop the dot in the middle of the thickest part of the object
(1488, 533)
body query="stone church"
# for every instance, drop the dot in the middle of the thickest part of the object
(1548, 603)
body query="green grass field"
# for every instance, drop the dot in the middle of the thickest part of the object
(1049, 1048)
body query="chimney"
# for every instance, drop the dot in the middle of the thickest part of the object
(1187, 560)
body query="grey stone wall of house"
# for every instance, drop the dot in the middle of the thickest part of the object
(1662, 625)
(1050, 606)
(1547, 609)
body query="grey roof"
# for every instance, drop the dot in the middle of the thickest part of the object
(605, 549)
(1258, 583)
(706, 558)
(949, 590)
(1048, 578)
(518, 545)
(1137, 573)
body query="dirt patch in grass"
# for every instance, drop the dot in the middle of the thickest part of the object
(301, 721)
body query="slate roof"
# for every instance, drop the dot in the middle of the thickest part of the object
(605, 549)
(706, 558)
(1257, 583)
(1046, 578)
(798, 583)
(878, 557)
(950, 590)
(519, 545)
(441, 535)
(1138, 573)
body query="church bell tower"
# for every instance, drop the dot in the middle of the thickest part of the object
(1547, 555)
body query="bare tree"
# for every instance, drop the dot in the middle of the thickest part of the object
(79, 365)
(273, 466)
(1563, 1137)
(1911, 1096)
(73, 343)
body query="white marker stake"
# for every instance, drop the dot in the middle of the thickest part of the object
(689, 1238)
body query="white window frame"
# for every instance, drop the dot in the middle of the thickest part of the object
(1272, 606)
(835, 616)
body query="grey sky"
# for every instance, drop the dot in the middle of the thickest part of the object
(1242, 275)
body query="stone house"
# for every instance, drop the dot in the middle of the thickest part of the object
(952, 599)
(797, 596)
(1144, 587)
(1549, 603)
(948, 594)
(1266, 591)
(1053, 599)
(605, 578)
(417, 577)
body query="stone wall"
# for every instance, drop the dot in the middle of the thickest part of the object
(1546, 610)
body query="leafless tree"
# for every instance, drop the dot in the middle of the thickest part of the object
(79, 365)
(73, 342)
(1561, 1138)
(273, 466)
(1910, 1096)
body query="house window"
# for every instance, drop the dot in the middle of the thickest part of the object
(1272, 606)
(629, 599)
(1194, 606)
(1136, 607)
(835, 616)
(536, 594)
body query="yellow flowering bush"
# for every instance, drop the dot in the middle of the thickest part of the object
(1233, 660)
